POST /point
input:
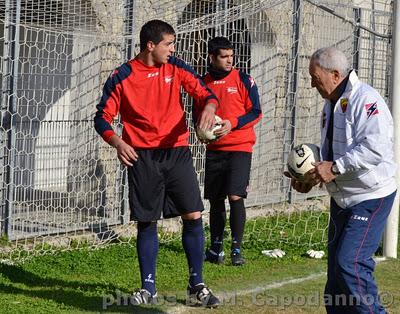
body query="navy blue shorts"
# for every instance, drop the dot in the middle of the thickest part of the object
(163, 181)
(226, 173)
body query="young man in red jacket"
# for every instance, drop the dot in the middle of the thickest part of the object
(145, 91)
(228, 160)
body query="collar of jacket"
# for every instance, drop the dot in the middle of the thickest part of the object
(217, 74)
(340, 89)
(352, 81)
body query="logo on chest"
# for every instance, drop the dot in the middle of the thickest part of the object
(218, 82)
(343, 104)
(152, 74)
(231, 90)
(168, 79)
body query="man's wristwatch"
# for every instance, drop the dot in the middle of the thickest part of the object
(335, 169)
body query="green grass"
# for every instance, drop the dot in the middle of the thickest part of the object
(307, 297)
(297, 231)
(80, 280)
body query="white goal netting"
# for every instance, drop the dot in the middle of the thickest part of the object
(62, 186)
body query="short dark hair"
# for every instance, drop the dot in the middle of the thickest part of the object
(217, 43)
(154, 31)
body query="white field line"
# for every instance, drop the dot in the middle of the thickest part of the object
(180, 309)
(274, 285)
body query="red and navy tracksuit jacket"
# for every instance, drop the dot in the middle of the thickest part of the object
(148, 99)
(240, 104)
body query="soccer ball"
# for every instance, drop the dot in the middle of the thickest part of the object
(300, 160)
(208, 135)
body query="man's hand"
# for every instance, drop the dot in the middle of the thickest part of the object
(322, 172)
(126, 154)
(225, 129)
(207, 118)
(301, 186)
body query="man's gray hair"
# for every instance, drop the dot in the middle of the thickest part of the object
(331, 58)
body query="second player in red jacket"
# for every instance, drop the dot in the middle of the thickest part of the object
(228, 159)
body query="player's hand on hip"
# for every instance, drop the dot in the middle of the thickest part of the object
(225, 129)
(126, 153)
(322, 172)
(207, 119)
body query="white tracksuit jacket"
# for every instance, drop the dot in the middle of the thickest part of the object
(362, 145)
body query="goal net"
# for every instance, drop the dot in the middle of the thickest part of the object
(61, 186)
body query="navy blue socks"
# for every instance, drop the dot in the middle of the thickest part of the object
(217, 224)
(237, 222)
(147, 249)
(193, 244)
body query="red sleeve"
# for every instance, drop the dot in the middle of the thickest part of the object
(194, 85)
(108, 107)
(252, 104)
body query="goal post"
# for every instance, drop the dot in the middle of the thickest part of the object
(391, 235)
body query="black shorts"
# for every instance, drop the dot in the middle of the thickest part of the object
(163, 181)
(227, 173)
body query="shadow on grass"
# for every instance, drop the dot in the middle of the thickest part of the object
(17, 274)
(80, 295)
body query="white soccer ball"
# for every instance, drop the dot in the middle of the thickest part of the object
(208, 135)
(301, 158)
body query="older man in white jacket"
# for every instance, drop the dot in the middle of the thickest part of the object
(358, 169)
